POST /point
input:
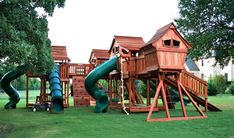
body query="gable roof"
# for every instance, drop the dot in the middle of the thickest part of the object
(100, 54)
(59, 53)
(192, 66)
(160, 32)
(128, 42)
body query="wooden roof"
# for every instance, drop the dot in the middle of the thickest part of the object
(59, 53)
(160, 32)
(99, 54)
(128, 42)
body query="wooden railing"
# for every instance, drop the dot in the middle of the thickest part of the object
(79, 69)
(194, 84)
(63, 71)
(150, 59)
(140, 64)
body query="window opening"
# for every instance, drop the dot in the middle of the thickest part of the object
(167, 42)
(176, 43)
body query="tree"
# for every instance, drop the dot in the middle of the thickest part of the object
(24, 34)
(209, 26)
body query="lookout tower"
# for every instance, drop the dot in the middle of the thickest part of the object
(164, 57)
(166, 50)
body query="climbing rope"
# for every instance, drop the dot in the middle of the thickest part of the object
(122, 85)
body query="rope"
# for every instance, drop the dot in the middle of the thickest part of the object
(122, 85)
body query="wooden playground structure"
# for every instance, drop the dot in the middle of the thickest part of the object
(158, 63)
(67, 71)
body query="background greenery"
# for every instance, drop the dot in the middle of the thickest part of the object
(209, 26)
(24, 34)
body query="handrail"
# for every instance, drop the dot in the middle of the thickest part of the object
(194, 84)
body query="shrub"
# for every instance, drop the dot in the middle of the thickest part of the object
(217, 85)
(212, 90)
(231, 88)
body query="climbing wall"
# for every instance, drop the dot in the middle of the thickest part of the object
(80, 95)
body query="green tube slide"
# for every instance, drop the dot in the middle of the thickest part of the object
(99, 95)
(9, 89)
(56, 90)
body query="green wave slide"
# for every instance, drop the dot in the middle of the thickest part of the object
(56, 90)
(9, 89)
(102, 99)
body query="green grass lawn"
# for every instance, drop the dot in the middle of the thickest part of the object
(82, 122)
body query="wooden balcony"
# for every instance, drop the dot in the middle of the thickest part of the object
(79, 69)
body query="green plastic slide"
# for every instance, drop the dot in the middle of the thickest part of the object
(99, 95)
(9, 89)
(56, 90)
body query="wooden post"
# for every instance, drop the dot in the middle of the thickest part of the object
(154, 101)
(67, 92)
(116, 88)
(130, 93)
(161, 77)
(181, 95)
(148, 92)
(110, 91)
(206, 104)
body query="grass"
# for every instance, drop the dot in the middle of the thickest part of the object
(82, 123)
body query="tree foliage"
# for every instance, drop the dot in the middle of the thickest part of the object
(217, 84)
(209, 26)
(24, 34)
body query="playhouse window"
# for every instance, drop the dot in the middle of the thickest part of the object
(171, 43)
(116, 49)
(134, 54)
(124, 51)
(167, 42)
(176, 43)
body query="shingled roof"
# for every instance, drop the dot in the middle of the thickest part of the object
(128, 42)
(59, 53)
(100, 54)
(160, 32)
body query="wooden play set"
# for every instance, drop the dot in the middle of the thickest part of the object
(67, 71)
(158, 63)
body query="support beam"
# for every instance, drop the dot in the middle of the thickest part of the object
(154, 101)
(148, 92)
(181, 97)
(191, 99)
(161, 89)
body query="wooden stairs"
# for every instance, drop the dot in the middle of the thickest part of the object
(196, 87)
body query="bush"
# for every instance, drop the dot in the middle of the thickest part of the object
(217, 85)
(212, 90)
(231, 88)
